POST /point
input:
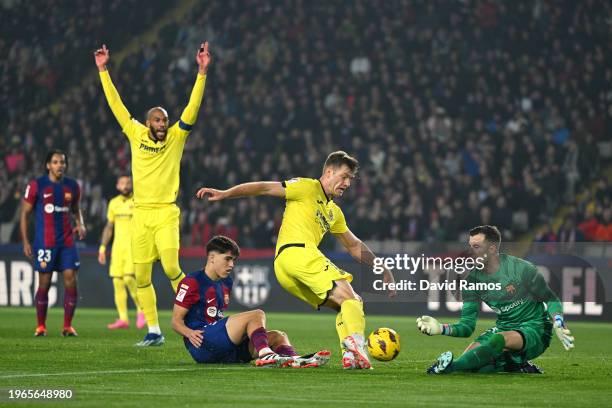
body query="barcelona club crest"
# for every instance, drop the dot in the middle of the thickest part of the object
(251, 285)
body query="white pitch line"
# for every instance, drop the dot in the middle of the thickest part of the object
(140, 370)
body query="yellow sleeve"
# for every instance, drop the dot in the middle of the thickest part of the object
(116, 104)
(297, 188)
(110, 213)
(339, 226)
(190, 114)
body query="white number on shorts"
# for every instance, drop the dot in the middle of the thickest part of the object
(44, 255)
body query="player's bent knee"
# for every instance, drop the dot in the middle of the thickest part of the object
(259, 314)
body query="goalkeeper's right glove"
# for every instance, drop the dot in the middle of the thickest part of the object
(428, 325)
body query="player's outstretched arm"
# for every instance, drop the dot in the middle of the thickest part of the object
(107, 234)
(102, 56)
(190, 114)
(178, 325)
(364, 255)
(26, 210)
(464, 328)
(256, 188)
(538, 286)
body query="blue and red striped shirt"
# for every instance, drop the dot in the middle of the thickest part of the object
(205, 298)
(53, 203)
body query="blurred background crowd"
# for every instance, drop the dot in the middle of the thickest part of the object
(460, 112)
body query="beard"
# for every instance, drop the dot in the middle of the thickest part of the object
(155, 132)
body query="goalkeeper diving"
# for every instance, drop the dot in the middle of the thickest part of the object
(527, 313)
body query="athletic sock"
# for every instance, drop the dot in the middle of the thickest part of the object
(120, 298)
(70, 303)
(259, 338)
(285, 350)
(130, 284)
(352, 316)
(341, 329)
(148, 302)
(42, 303)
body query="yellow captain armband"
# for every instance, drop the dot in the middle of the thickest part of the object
(102, 249)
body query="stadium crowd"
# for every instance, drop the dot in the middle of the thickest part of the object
(461, 113)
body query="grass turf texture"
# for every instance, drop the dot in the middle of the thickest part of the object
(103, 368)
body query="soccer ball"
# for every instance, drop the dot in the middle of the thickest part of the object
(384, 344)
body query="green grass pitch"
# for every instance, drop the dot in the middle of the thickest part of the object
(104, 369)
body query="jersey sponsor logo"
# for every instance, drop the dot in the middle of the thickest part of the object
(180, 296)
(49, 208)
(323, 223)
(184, 286)
(320, 202)
(151, 149)
(251, 285)
(211, 311)
(226, 299)
(511, 289)
(210, 300)
(47, 195)
(67, 196)
(293, 180)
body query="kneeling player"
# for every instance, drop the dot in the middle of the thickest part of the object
(523, 328)
(211, 338)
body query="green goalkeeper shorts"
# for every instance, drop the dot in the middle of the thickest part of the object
(536, 339)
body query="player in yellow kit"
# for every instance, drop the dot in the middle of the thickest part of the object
(156, 158)
(300, 267)
(121, 271)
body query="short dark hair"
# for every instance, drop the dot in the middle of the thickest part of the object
(52, 153)
(222, 244)
(491, 233)
(340, 157)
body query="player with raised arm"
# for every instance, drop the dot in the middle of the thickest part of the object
(527, 312)
(121, 270)
(156, 158)
(300, 267)
(53, 198)
(212, 338)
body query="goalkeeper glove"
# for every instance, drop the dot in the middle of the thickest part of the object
(563, 333)
(428, 325)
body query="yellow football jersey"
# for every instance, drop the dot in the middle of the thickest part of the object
(309, 213)
(120, 210)
(155, 165)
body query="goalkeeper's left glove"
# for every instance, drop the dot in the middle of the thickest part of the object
(563, 333)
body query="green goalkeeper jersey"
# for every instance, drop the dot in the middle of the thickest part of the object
(517, 292)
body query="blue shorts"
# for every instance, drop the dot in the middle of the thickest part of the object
(47, 260)
(217, 346)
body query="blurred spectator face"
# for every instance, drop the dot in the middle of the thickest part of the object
(157, 122)
(338, 179)
(57, 166)
(124, 185)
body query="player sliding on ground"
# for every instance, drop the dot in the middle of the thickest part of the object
(300, 267)
(523, 329)
(211, 338)
(156, 158)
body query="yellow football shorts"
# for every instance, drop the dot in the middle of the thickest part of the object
(307, 274)
(154, 230)
(121, 262)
